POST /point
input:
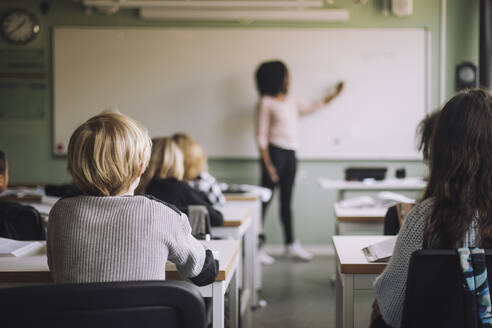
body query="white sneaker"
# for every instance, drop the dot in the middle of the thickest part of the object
(295, 251)
(265, 258)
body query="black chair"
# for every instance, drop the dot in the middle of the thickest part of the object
(20, 222)
(391, 223)
(435, 295)
(163, 304)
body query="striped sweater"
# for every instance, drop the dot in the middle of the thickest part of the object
(122, 238)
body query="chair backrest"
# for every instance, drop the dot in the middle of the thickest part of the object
(20, 222)
(391, 223)
(199, 220)
(435, 295)
(164, 304)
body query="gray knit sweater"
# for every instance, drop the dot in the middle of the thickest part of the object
(391, 284)
(119, 238)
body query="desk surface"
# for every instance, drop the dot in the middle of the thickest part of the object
(34, 268)
(245, 197)
(387, 184)
(235, 213)
(365, 214)
(350, 256)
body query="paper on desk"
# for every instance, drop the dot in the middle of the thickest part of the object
(382, 199)
(11, 247)
(380, 252)
(22, 192)
(264, 193)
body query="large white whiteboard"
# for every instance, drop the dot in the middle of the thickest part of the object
(200, 81)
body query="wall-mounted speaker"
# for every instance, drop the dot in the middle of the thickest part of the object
(466, 76)
(402, 7)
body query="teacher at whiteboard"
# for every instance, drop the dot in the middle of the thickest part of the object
(277, 124)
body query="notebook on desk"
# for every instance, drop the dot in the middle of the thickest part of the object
(11, 247)
(381, 251)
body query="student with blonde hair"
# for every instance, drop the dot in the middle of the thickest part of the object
(163, 180)
(195, 169)
(107, 233)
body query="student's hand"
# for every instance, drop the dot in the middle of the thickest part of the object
(272, 173)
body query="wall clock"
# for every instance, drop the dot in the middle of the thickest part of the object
(20, 26)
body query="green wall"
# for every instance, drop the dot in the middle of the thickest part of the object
(28, 142)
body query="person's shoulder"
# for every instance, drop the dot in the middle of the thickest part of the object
(420, 212)
(153, 202)
(12, 208)
(266, 101)
(423, 207)
(71, 201)
(206, 176)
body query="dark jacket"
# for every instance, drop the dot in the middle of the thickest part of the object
(181, 195)
(20, 222)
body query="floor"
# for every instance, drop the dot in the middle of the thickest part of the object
(298, 295)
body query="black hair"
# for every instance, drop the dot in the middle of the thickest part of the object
(271, 78)
(3, 162)
(461, 172)
(424, 133)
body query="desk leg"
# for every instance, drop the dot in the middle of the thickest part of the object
(233, 302)
(340, 194)
(218, 304)
(257, 224)
(248, 287)
(345, 300)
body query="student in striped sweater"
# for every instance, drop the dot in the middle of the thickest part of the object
(108, 233)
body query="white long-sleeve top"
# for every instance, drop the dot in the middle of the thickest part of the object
(277, 121)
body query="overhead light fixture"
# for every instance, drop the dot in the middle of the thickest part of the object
(319, 15)
(226, 10)
(205, 3)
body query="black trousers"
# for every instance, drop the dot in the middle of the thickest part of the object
(285, 162)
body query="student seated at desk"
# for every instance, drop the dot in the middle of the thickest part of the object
(163, 180)
(456, 210)
(108, 234)
(17, 221)
(195, 173)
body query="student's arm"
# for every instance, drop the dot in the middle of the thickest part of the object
(306, 108)
(263, 126)
(190, 256)
(390, 285)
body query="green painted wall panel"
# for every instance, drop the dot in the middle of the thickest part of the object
(28, 142)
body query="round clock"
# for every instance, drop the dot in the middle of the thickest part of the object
(20, 26)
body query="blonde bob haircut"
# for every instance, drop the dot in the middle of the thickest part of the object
(166, 161)
(195, 160)
(107, 153)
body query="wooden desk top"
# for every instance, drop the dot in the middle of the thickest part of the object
(367, 214)
(242, 197)
(387, 184)
(34, 268)
(235, 213)
(349, 254)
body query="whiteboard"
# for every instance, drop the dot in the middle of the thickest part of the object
(201, 81)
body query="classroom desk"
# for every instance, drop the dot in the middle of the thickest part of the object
(255, 203)
(353, 274)
(239, 225)
(359, 221)
(342, 186)
(34, 269)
